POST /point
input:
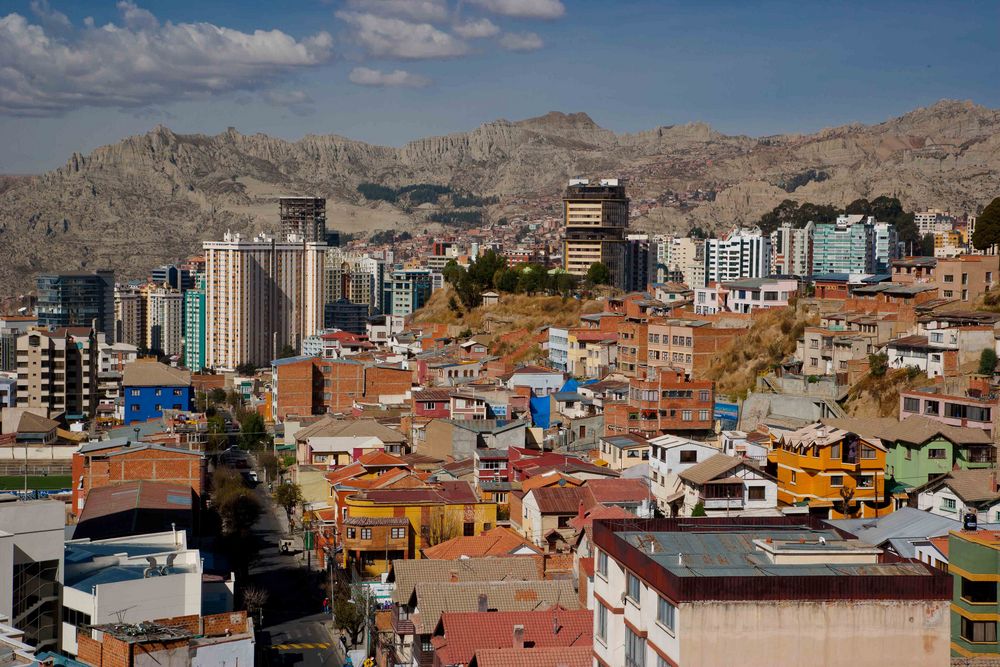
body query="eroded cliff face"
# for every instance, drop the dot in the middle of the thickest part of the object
(155, 197)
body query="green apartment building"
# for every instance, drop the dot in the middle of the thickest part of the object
(974, 563)
(194, 325)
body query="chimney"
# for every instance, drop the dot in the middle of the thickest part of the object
(518, 637)
(483, 603)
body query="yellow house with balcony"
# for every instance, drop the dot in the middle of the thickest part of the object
(835, 473)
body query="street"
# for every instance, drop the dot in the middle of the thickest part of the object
(295, 631)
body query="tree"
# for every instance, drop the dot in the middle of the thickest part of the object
(987, 361)
(927, 245)
(531, 278)
(217, 438)
(288, 497)
(483, 268)
(252, 430)
(598, 274)
(505, 280)
(246, 369)
(878, 364)
(698, 510)
(286, 352)
(237, 506)
(268, 462)
(987, 234)
(217, 395)
(352, 610)
(254, 600)
(442, 527)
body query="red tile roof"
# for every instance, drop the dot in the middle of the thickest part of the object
(463, 635)
(599, 512)
(497, 541)
(562, 499)
(623, 490)
(575, 656)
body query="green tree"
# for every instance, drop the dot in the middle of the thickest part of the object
(268, 462)
(878, 364)
(927, 245)
(246, 369)
(217, 438)
(252, 430)
(286, 352)
(353, 609)
(288, 497)
(217, 395)
(235, 503)
(483, 268)
(531, 278)
(505, 280)
(598, 274)
(698, 510)
(987, 234)
(987, 361)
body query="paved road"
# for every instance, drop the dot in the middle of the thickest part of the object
(295, 631)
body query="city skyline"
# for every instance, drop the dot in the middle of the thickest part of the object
(80, 75)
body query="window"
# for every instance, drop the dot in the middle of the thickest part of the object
(703, 415)
(633, 588)
(866, 482)
(935, 453)
(398, 533)
(948, 504)
(835, 451)
(602, 622)
(911, 405)
(602, 564)
(351, 533)
(836, 480)
(178, 392)
(74, 617)
(755, 492)
(686, 415)
(689, 456)
(158, 407)
(665, 612)
(949, 278)
(932, 408)
(980, 632)
(703, 395)
(793, 477)
(635, 649)
(366, 533)
(135, 408)
(469, 529)
(867, 452)
(979, 592)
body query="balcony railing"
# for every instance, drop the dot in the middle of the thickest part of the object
(722, 503)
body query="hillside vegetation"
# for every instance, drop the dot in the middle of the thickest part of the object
(874, 396)
(769, 340)
(514, 311)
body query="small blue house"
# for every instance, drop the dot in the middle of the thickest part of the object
(151, 387)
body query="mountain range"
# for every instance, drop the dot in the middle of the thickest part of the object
(154, 197)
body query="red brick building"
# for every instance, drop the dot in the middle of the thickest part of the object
(113, 462)
(667, 401)
(314, 386)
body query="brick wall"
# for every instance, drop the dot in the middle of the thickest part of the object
(152, 465)
(217, 625)
(387, 381)
(88, 649)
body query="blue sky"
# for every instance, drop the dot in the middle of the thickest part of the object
(80, 74)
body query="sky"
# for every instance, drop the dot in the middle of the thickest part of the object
(77, 74)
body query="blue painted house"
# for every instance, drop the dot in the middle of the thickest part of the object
(151, 387)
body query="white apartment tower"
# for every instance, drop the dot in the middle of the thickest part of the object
(792, 250)
(164, 320)
(744, 253)
(260, 295)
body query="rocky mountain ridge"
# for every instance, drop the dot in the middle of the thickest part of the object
(154, 197)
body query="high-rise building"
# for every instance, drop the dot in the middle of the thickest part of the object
(744, 253)
(57, 371)
(11, 328)
(885, 246)
(194, 325)
(130, 316)
(346, 316)
(164, 320)
(845, 246)
(172, 275)
(792, 249)
(261, 294)
(77, 300)
(304, 217)
(407, 290)
(640, 262)
(596, 217)
(675, 257)
(932, 220)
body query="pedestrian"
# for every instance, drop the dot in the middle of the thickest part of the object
(326, 605)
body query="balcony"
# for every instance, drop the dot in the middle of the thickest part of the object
(401, 623)
(721, 503)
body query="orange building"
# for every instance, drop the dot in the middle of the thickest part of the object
(835, 473)
(667, 401)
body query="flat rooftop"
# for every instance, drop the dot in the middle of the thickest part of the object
(749, 553)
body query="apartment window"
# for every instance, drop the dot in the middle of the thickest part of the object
(135, 408)
(686, 415)
(351, 533)
(178, 392)
(158, 407)
(703, 415)
(932, 408)
(979, 592)
(665, 613)
(911, 404)
(949, 278)
(867, 452)
(635, 649)
(948, 504)
(814, 344)
(866, 482)
(978, 632)
(75, 618)
(793, 477)
(133, 392)
(633, 588)
(602, 564)
(398, 533)
(835, 451)
(602, 622)
(366, 533)
(755, 493)
(948, 294)
(936, 453)
(836, 480)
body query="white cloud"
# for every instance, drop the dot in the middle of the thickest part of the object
(531, 9)
(138, 63)
(418, 10)
(522, 41)
(50, 18)
(364, 76)
(389, 37)
(477, 29)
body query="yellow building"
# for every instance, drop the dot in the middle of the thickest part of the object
(380, 525)
(834, 472)
(596, 216)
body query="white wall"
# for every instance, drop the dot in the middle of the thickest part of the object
(234, 653)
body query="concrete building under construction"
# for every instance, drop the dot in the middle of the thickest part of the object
(304, 217)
